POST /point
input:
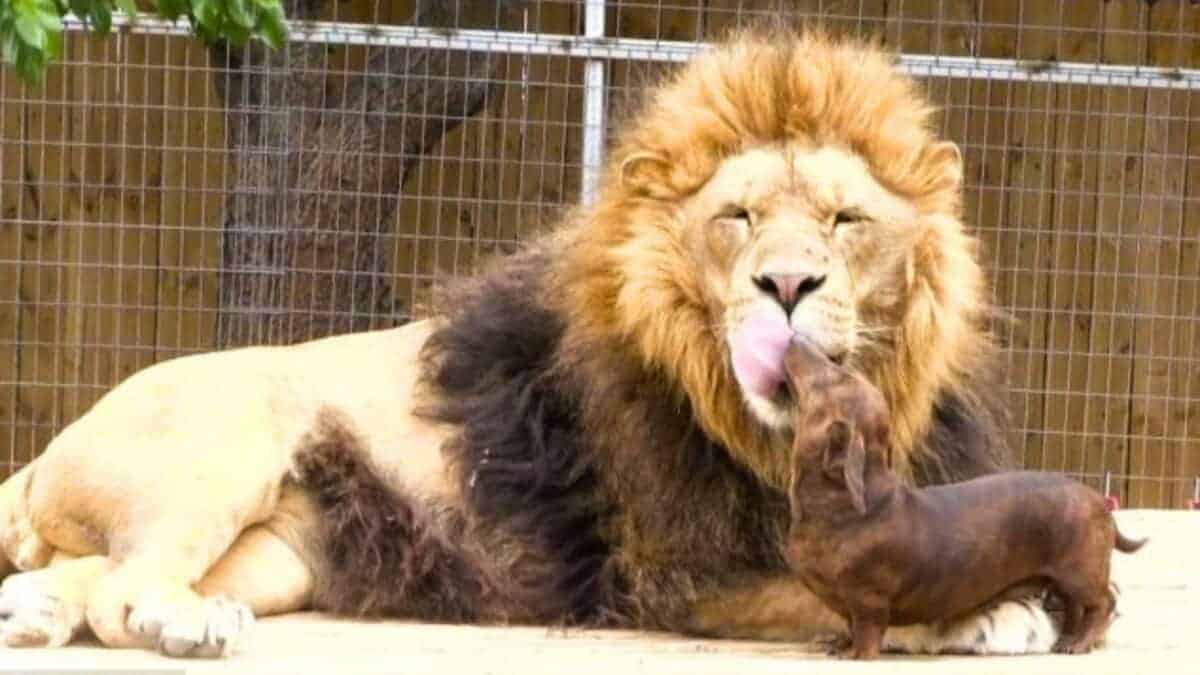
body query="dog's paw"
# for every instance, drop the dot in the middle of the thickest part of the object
(207, 628)
(1073, 646)
(32, 614)
(834, 644)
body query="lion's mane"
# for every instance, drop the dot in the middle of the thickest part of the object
(606, 464)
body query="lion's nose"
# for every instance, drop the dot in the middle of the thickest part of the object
(788, 289)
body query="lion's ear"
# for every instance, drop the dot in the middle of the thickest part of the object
(647, 173)
(947, 155)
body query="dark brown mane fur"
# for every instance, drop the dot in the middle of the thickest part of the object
(525, 471)
(385, 554)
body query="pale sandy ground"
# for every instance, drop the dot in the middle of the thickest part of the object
(1157, 632)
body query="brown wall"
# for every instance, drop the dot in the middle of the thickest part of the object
(1086, 197)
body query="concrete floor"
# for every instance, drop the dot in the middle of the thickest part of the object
(1156, 632)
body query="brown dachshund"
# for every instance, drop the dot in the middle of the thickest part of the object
(881, 553)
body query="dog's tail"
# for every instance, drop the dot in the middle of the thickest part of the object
(1125, 544)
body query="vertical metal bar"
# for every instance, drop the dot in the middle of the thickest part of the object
(593, 104)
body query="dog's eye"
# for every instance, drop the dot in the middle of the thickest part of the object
(847, 216)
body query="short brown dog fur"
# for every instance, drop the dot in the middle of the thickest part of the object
(881, 553)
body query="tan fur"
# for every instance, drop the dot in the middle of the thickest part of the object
(779, 609)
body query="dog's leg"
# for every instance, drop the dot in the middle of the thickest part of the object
(45, 607)
(1093, 625)
(1090, 604)
(866, 634)
(1072, 622)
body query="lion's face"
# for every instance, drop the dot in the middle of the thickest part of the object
(783, 184)
(795, 240)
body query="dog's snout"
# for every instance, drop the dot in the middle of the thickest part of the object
(788, 289)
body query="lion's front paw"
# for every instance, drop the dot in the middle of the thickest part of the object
(206, 628)
(1012, 627)
(32, 614)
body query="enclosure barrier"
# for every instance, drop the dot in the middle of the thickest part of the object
(1082, 158)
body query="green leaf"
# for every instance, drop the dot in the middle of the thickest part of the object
(31, 32)
(211, 15)
(81, 8)
(235, 34)
(206, 34)
(30, 65)
(51, 22)
(101, 18)
(50, 19)
(239, 13)
(54, 43)
(172, 9)
(10, 49)
(207, 12)
(272, 27)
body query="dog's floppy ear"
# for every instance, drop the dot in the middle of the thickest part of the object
(847, 455)
(794, 493)
(855, 469)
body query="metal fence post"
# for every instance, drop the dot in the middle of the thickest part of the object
(594, 108)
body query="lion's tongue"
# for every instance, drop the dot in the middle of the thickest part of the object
(758, 348)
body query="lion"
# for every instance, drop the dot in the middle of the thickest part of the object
(594, 431)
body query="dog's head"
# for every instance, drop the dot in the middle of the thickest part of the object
(841, 432)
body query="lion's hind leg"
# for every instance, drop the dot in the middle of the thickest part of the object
(42, 591)
(21, 547)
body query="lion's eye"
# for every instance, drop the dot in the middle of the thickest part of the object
(846, 216)
(735, 213)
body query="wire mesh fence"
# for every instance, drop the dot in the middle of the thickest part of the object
(159, 198)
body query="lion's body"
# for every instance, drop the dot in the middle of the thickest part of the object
(589, 432)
